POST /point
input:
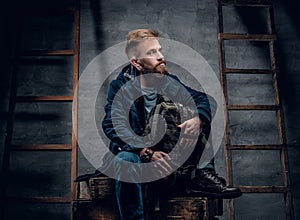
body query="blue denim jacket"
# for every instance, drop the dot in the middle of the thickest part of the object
(125, 105)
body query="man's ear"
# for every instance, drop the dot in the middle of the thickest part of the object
(134, 61)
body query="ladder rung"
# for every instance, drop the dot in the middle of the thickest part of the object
(48, 53)
(263, 189)
(44, 98)
(40, 199)
(40, 147)
(251, 37)
(256, 147)
(262, 3)
(253, 107)
(47, 11)
(248, 71)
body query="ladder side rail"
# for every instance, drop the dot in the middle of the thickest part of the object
(75, 97)
(223, 79)
(15, 56)
(74, 156)
(280, 118)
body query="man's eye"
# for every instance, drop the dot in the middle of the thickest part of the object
(151, 52)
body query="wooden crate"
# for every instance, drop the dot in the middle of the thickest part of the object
(184, 208)
(177, 208)
(95, 210)
(102, 204)
(102, 188)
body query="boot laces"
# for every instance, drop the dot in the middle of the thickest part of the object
(215, 176)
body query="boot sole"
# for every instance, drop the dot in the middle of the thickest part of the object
(217, 195)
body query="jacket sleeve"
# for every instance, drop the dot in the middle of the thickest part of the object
(116, 124)
(200, 99)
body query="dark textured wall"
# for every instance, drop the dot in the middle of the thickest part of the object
(106, 23)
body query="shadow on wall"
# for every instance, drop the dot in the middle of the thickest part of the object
(292, 8)
(96, 12)
(289, 56)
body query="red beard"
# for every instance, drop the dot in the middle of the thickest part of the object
(162, 69)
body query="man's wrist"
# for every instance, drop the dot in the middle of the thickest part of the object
(142, 151)
(146, 155)
(203, 119)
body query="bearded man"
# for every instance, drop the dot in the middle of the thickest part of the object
(137, 89)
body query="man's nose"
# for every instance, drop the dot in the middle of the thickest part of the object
(160, 56)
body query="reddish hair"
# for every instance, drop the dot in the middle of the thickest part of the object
(135, 37)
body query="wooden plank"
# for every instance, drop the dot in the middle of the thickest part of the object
(249, 37)
(48, 53)
(41, 147)
(44, 99)
(35, 11)
(256, 147)
(40, 199)
(264, 189)
(248, 71)
(252, 107)
(253, 3)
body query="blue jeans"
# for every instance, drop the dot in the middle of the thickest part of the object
(129, 194)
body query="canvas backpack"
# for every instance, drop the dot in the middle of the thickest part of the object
(164, 119)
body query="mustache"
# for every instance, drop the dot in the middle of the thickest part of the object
(164, 62)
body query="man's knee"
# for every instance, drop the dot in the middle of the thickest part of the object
(128, 156)
(126, 163)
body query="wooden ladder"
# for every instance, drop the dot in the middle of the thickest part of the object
(15, 99)
(270, 39)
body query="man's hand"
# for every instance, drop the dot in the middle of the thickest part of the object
(161, 166)
(191, 127)
(160, 161)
